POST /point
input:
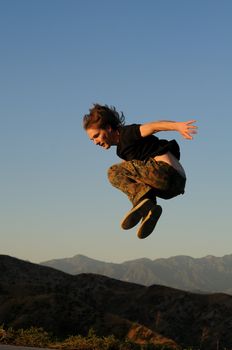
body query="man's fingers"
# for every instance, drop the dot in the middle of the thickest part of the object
(191, 121)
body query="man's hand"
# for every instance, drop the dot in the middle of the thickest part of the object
(186, 129)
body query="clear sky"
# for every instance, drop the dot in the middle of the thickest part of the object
(151, 59)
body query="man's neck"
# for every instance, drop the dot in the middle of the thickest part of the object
(115, 137)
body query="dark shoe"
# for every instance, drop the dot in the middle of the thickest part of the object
(149, 222)
(136, 214)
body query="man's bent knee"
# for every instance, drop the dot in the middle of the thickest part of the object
(112, 173)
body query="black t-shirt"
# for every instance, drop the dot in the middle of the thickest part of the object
(133, 146)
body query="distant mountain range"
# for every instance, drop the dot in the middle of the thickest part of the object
(208, 274)
(35, 295)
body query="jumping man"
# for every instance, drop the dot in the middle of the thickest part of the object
(151, 166)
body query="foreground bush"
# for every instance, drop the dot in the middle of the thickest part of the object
(30, 337)
(37, 337)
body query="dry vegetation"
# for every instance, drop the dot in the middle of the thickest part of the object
(37, 337)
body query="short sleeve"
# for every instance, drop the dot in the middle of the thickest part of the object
(131, 133)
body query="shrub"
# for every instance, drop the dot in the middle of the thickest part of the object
(30, 337)
(37, 337)
(91, 342)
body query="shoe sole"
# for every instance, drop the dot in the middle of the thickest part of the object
(148, 224)
(132, 218)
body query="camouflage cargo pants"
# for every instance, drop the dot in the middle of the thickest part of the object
(148, 178)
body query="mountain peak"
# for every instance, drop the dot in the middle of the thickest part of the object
(207, 274)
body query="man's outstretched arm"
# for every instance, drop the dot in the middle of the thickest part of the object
(186, 129)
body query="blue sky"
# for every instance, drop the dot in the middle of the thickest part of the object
(151, 59)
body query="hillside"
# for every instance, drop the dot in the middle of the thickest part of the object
(208, 274)
(34, 295)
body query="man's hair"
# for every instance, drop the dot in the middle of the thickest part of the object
(102, 116)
